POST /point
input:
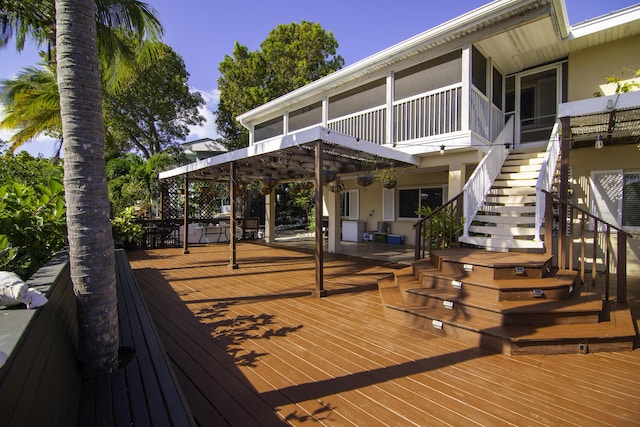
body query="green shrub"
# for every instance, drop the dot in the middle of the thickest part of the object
(32, 225)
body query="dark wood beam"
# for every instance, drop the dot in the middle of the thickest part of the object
(185, 215)
(319, 291)
(233, 264)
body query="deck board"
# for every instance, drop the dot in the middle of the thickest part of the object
(252, 347)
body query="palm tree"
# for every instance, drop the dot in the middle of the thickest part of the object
(72, 30)
(89, 231)
(31, 104)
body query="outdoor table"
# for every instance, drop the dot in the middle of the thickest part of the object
(221, 231)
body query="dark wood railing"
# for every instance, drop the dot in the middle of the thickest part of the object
(440, 229)
(575, 224)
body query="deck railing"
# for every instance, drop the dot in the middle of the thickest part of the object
(368, 125)
(428, 114)
(572, 244)
(485, 174)
(441, 229)
(479, 114)
(545, 179)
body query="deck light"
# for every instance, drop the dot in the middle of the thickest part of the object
(442, 150)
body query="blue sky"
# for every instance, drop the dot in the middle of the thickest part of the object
(203, 32)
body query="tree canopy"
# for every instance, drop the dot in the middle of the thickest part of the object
(155, 109)
(291, 56)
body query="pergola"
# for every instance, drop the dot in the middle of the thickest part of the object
(312, 152)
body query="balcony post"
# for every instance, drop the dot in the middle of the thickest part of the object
(389, 128)
(621, 269)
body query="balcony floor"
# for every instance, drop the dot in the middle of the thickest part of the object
(251, 347)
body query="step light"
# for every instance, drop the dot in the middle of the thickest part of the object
(467, 267)
(456, 284)
(538, 293)
(519, 270)
(436, 324)
(583, 348)
(448, 305)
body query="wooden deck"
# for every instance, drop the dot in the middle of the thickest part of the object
(252, 347)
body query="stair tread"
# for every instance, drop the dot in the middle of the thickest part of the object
(620, 325)
(561, 278)
(586, 302)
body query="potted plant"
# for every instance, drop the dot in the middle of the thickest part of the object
(266, 186)
(388, 177)
(127, 228)
(365, 179)
(336, 186)
(328, 176)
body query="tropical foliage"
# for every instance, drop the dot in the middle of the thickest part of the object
(32, 213)
(441, 227)
(290, 57)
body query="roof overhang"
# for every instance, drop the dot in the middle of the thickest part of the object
(479, 20)
(292, 157)
(615, 119)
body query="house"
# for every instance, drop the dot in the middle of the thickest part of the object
(202, 148)
(494, 110)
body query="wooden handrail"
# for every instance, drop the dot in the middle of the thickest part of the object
(453, 234)
(565, 255)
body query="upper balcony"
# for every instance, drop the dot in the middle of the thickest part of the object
(456, 96)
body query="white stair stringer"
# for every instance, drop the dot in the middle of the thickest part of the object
(506, 221)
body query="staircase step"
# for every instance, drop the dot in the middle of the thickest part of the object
(503, 230)
(520, 168)
(529, 175)
(500, 243)
(514, 183)
(505, 219)
(512, 191)
(523, 161)
(559, 286)
(509, 200)
(508, 210)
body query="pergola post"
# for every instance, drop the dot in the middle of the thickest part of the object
(185, 215)
(319, 291)
(233, 264)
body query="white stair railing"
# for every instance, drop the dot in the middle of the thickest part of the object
(480, 182)
(545, 179)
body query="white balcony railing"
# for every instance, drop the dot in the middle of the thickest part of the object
(484, 175)
(545, 179)
(368, 125)
(480, 114)
(431, 113)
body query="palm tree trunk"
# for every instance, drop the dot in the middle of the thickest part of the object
(85, 182)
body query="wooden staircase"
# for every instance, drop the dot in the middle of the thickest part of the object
(507, 218)
(515, 303)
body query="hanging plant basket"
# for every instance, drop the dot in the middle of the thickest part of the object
(389, 184)
(364, 180)
(306, 185)
(266, 186)
(336, 186)
(328, 176)
(388, 177)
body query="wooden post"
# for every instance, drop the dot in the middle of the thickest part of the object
(233, 264)
(621, 268)
(319, 291)
(185, 215)
(563, 189)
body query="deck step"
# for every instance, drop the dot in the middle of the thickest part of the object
(511, 303)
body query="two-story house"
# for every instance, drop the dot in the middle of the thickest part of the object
(494, 108)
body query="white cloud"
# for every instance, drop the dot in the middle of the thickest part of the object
(208, 129)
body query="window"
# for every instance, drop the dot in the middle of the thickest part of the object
(615, 197)
(268, 129)
(411, 199)
(478, 70)
(349, 204)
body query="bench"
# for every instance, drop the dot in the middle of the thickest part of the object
(41, 384)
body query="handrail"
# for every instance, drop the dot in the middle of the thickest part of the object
(442, 235)
(545, 179)
(565, 253)
(484, 175)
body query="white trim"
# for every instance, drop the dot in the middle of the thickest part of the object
(388, 204)
(294, 139)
